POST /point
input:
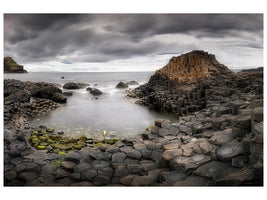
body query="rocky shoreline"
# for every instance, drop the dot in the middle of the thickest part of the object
(216, 141)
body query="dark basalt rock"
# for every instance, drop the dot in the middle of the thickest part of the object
(50, 92)
(94, 91)
(121, 85)
(73, 85)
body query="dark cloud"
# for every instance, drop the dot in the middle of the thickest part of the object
(70, 38)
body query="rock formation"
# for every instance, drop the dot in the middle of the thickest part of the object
(10, 66)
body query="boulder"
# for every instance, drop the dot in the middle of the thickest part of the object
(172, 153)
(222, 137)
(73, 85)
(131, 153)
(172, 177)
(121, 85)
(118, 157)
(230, 150)
(94, 91)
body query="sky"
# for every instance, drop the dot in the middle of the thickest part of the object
(130, 42)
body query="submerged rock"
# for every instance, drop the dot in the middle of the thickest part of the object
(73, 85)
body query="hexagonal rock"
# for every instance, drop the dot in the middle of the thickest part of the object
(158, 122)
(170, 154)
(118, 157)
(9, 175)
(237, 178)
(212, 169)
(166, 124)
(73, 156)
(258, 114)
(163, 132)
(131, 153)
(222, 137)
(99, 155)
(112, 149)
(205, 146)
(172, 177)
(27, 176)
(230, 150)
(190, 162)
(185, 129)
(99, 164)
(134, 168)
(152, 145)
(69, 165)
(144, 180)
(194, 180)
(173, 145)
(101, 180)
(173, 130)
(241, 125)
(127, 180)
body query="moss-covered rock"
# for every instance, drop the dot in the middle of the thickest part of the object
(40, 147)
(35, 140)
(77, 146)
(43, 138)
(50, 130)
(97, 144)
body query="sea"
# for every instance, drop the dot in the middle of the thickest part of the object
(112, 115)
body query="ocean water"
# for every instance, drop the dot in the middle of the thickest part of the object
(112, 112)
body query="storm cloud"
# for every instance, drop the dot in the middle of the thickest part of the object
(86, 39)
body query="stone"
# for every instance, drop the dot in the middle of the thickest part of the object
(144, 180)
(121, 85)
(172, 145)
(166, 124)
(258, 114)
(127, 180)
(27, 176)
(73, 85)
(222, 137)
(69, 165)
(205, 146)
(189, 163)
(145, 153)
(173, 130)
(158, 122)
(134, 168)
(241, 125)
(73, 156)
(163, 132)
(156, 154)
(131, 153)
(118, 157)
(170, 154)
(239, 161)
(81, 184)
(152, 145)
(155, 130)
(234, 105)
(241, 177)
(194, 180)
(228, 151)
(99, 164)
(112, 149)
(10, 175)
(139, 146)
(98, 155)
(212, 169)
(172, 177)
(101, 180)
(121, 171)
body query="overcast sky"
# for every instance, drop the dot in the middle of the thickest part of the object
(126, 42)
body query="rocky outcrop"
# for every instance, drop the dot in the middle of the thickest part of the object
(10, 66)
(94, 91)
(72, 85)
(121, 85)
(188, 83)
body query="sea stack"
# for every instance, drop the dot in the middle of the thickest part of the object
(10, 66)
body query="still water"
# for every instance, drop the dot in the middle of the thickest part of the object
(112, 112)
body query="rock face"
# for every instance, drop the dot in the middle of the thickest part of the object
(10, 66)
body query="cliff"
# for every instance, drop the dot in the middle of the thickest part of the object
(190, 67)
(10, 66)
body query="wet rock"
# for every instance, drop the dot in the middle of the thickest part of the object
(95, 91)
(68, 94)
(121, 85)
(228, 151)
(132, 83)
(73, 85)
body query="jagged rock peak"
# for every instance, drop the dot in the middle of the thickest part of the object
(192, 66)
